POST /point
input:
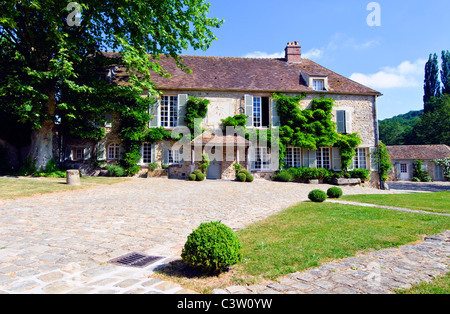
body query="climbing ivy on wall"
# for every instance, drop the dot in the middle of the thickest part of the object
(134, 129)
(312, 128)
(196, 108)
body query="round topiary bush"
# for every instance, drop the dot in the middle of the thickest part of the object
(200, 177)
(248, 175)
(334, 192)
(192, 177)
(213, 247)
(317, 196)
(241, 177)
(196, 172)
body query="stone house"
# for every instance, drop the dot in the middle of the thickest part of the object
(403, 157)
(245, 86)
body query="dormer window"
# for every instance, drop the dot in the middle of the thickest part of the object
(317, 82)
(319, 85)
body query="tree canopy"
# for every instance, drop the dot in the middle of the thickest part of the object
(432, 85)
(51, 66)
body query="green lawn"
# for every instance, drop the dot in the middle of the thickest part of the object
(310, 234)
(439, 285)
(11, 187)
(438, 202)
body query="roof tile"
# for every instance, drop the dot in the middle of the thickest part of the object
(247, 74)
(421, 152)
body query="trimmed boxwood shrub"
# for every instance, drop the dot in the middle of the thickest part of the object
(334, 192)
(115, 171)
(248, 175)
(199, 176)
(241, 177)
(192, 177)
(362, 174)
(317, 196)
(283, 176)
(213, 247)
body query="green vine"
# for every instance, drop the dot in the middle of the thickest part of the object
(384, 160)
(196, 108)
(309, 128)
(312, 128)
(133, 127)
(239, 120)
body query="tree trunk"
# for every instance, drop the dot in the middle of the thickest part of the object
(41, 150)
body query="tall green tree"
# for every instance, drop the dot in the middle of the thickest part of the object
(434, 126)
(445, 72)
(51, 61)
(432, 85)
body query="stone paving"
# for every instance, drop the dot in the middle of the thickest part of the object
(374, 273)
(62, 242)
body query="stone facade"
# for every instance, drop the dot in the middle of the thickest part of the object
(435, 172)
(245, 86)
(363, 119)
(362, 111)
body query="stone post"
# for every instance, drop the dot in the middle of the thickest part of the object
(73, 177)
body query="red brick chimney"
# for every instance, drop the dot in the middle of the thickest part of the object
(293, 52)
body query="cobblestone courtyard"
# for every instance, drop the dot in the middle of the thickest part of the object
(61, 242)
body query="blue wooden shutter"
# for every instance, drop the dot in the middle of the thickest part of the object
(275, 118)
(182, 100)
(249, 109)
(154, 112)
(340, 119)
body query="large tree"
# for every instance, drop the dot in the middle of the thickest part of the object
(51, 61)
(434, 126)
(432, 85)
(445, 72)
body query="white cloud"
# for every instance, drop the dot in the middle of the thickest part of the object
(313, 54)
(407, 74)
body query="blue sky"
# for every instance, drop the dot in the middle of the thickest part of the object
(389, 58)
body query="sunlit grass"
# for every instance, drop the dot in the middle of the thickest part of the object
(438, 202)
(11, 187)
(310, 234)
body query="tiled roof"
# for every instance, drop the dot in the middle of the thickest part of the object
(247, 74)
(421, 152)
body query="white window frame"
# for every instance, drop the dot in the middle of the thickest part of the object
(293, 157)
(360, 160)
(146, 153)
(75, 152)
(318, 85)
(168, 111)
(323, 158)
(175, 157)
(262, 159)
(113, 151)
(257, 112)
(403, 168)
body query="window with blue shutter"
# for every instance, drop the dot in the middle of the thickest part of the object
(341, 121)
